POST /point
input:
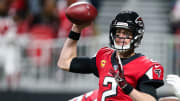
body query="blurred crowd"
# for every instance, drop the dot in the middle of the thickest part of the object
(32, 25)
(175, 17)
(175, 29)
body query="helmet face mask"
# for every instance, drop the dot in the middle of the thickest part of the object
(131, 21)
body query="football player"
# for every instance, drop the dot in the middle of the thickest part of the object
(124, 75)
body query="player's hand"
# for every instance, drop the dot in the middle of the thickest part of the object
(78, 28)
(174, 81)
(120, 79)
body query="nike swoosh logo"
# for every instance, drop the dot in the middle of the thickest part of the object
(156, 66)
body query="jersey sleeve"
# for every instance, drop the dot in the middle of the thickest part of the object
(156, 72)
(151, 80)
(84, 65)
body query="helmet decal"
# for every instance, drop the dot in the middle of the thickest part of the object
(139, 21)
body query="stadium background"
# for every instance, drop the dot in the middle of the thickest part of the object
(46, 82)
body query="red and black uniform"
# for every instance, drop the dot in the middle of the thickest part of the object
(139, 71)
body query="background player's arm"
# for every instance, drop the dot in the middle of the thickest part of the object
(69, 50)
(174, 81)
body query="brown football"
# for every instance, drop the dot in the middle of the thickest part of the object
(81, 13)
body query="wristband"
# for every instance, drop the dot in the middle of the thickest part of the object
(74, 35)
(127, 89)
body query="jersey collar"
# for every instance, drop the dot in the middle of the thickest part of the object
(123, 60)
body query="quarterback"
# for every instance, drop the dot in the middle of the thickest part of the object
(124, 75)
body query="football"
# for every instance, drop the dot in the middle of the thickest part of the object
(81, 13)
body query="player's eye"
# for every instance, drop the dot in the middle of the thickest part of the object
(123, 31)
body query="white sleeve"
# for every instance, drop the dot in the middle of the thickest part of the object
(174, 81)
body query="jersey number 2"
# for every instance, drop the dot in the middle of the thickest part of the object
(109, 92)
